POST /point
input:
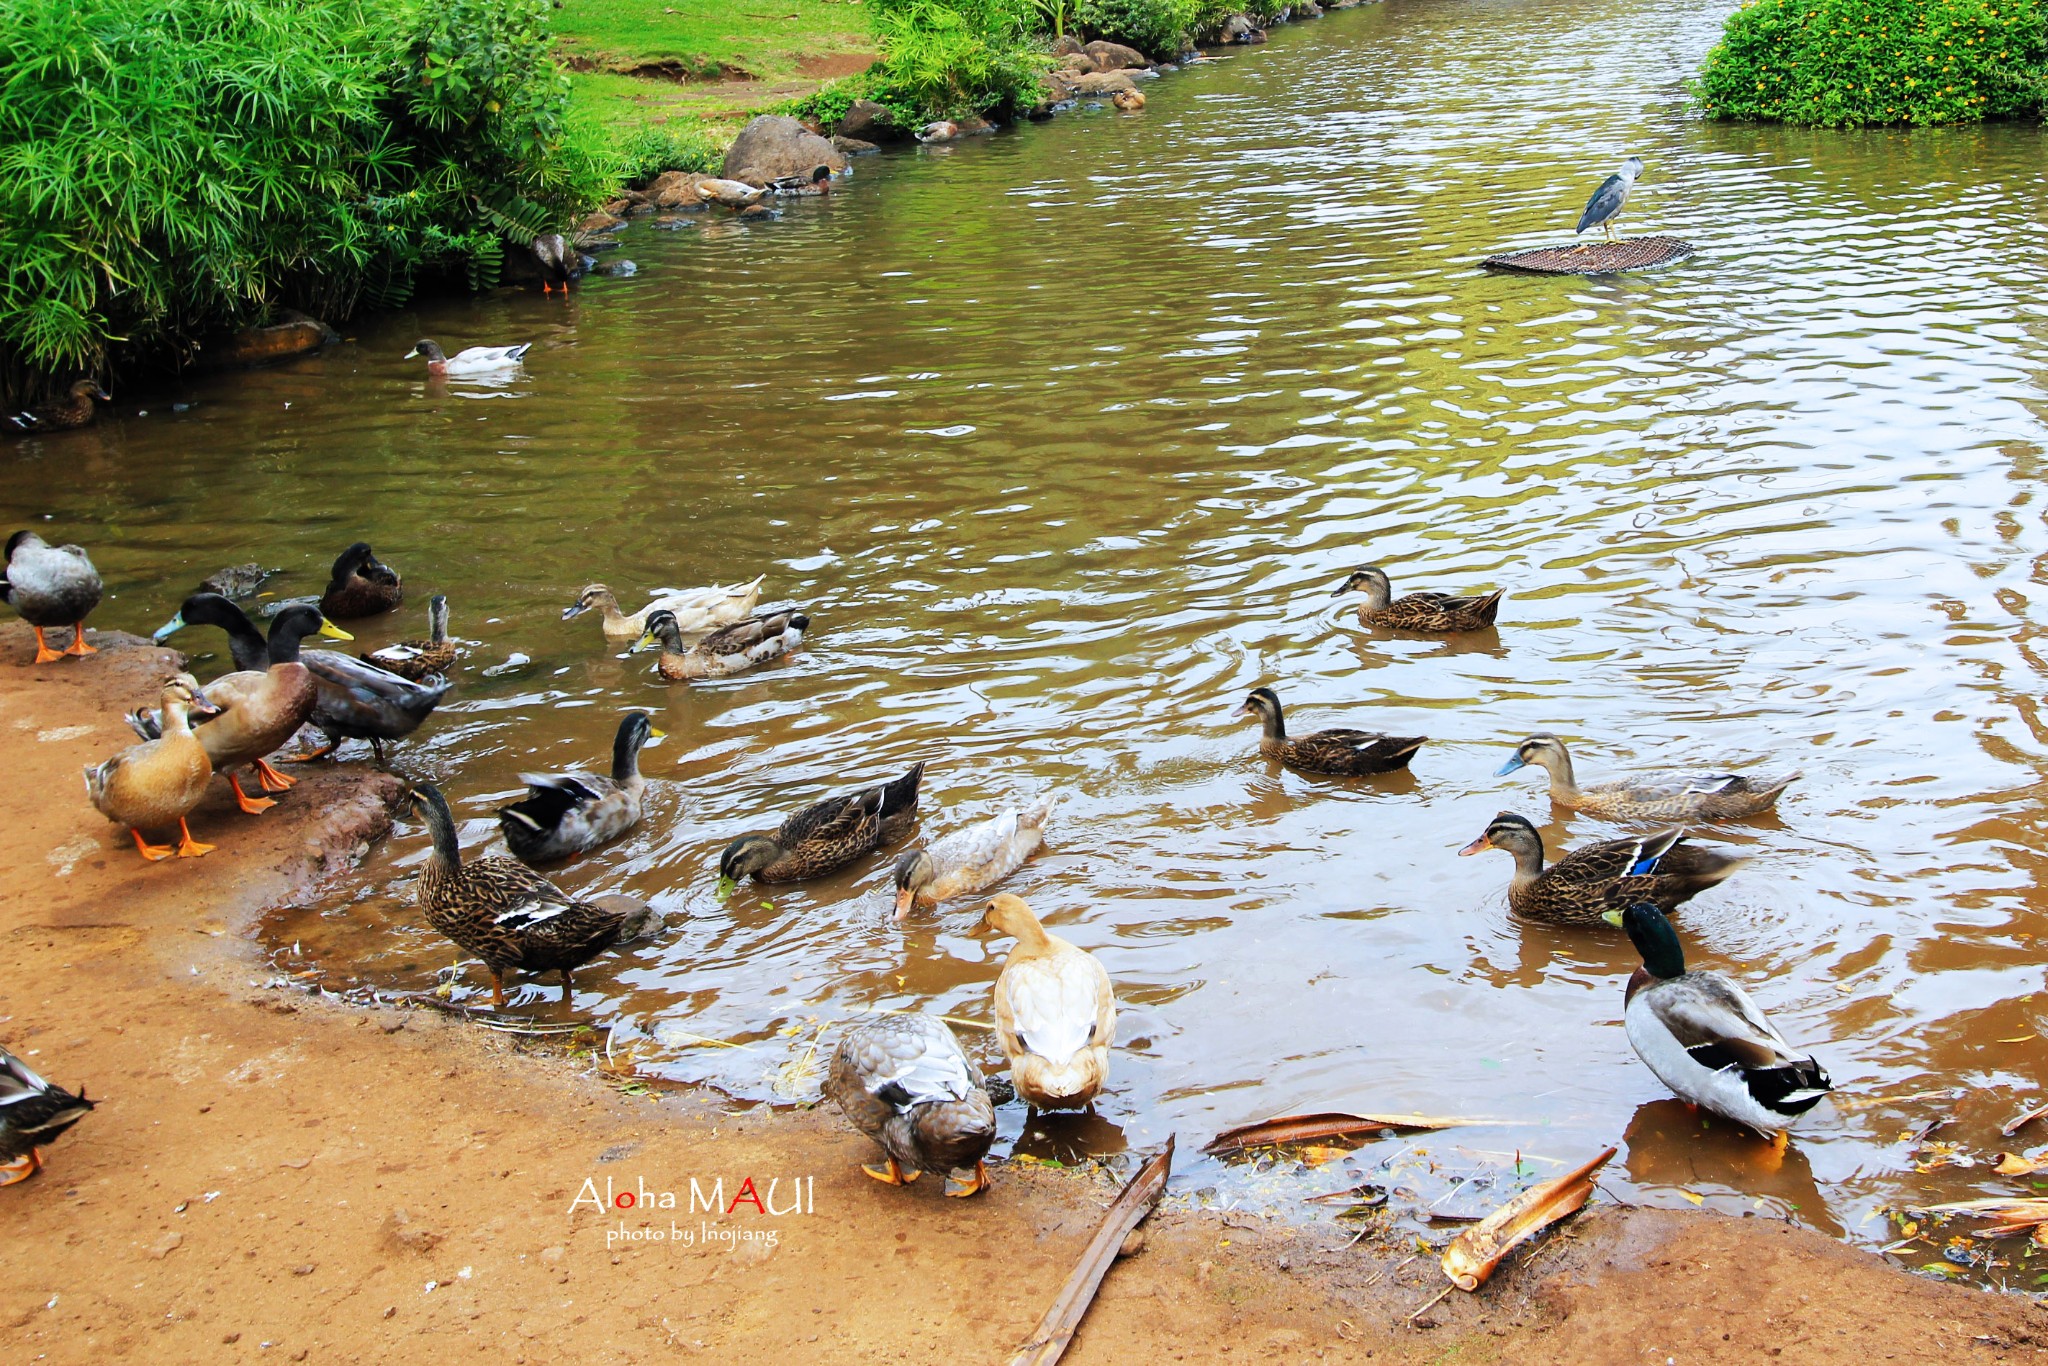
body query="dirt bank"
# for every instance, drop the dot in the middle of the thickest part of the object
(270, 1175)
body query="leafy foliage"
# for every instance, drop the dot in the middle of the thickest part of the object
(1842, 63)
(944, 58)
(1156, 27)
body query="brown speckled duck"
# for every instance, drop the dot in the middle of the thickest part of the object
(1437, 612)
(1338, 751)
(159, 782)
(827, 835)
(904, 1082)
(76, 411)
(414, 659)
(729, 650)
(1607, 875)
(1649, 796)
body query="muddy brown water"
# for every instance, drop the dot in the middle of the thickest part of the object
(1064, 437)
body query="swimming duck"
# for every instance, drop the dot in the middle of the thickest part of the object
(51, 585)
(1581, 887)
(150, 785)
(360, 586)
(1650, 796)
(413, 660)
(1350, 752)
(471, 360)
(1706, 1040)
(696, 611)
(236, 581)
(971, 859)
(510, 916)
(827, 835)
(819, 181)
(566, 814)
(734, 194)
(32, 1113)
(1418, 611)
(728, 650)
(1055, 1011)
(76, 411)
(940, 130)
(1127, 100)
(904, 1081)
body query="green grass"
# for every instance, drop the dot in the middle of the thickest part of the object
(766, 39)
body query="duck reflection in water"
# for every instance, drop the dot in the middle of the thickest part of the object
(1068, 1137)
(1673, 1147)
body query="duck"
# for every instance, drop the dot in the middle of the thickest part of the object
(1438, 612)
(566, 814)
(734, 194)
(150, 785)
(471, 360)
(728, 650)
(1593, 879)
(1055, 1011)
(559, 263)
(413, 660)
(361, 585)
(1650, 797)
(32, 1114)
(1707, 1040)
(819, 181)
(939, 130)
(1127, 100)
(696, 611)
(971, 859)
(51, 585)
(514, 919)
(76, 411)
(1346, 752)
(827, 835)
(905, 1082)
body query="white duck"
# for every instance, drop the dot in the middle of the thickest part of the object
(734, 194)
(1055, 1011)
(971, 860)
(696, 610)
(471, 360)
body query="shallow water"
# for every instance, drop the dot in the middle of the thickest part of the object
(1064, 438)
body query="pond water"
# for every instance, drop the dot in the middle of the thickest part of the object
(1064, 438)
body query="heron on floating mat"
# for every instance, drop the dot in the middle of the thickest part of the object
(1605, 205)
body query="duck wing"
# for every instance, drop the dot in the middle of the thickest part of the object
(1604, 861)
(1051, 1006)
(1363, 749)
(1720, 1027)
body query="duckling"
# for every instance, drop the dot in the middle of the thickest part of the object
(971, 859)
(147, 786)
(827, 835)
(51, 585)
(572, 813)
(76, 411)
(904, 1081)
(32, 1113)
(1418, 611)
(728, 650)
(1127, 100)
(471, 360)
(1652, 797)
(413, 660)
(696, 611)
(1055, 1011)
(510, 916)
(1347, 752)
(1581, 887)
(1706, 1040)
(360, 586)
(734, 194)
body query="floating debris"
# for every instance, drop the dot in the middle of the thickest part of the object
(513, 663)
(1473, 1254)
(2013, 1126)
(1593, 258)
(1283, 1129)
(2013, 1216)
(2012, 1164)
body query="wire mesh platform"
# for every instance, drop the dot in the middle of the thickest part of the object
(1593, 258)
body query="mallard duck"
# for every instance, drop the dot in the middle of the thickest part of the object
(361, 586)
(150, 785)
(471, 360)
(696, 611)
(510, 916)
(728, 650)
(236, 581)
(572, 813)
(559, 264)
(1706, 1040)
(1603, 876)
(904, 1082)
(971, 859)
(1418, 611)
(1649, 796)
(1127, 100)
(76, 411)
(1055, 1011)
(32, 1113)
(819, 181)
(734, 194)
(413, 660)
(827, 835)
(51, 585)
(1350, 752)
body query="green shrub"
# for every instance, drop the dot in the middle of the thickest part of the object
(948, 58)
(1155, 27)
(1839, 63)
(650, 149)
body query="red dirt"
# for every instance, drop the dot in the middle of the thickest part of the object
(834, 65)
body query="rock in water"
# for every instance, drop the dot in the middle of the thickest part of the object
(774, 147)
(672, 190)
(870, 122)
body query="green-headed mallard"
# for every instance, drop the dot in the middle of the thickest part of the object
(32, 1113)
(413, 660)
(1418, 611)
(361, 585)
(696, 610)
(51, 585)
(159, 782)
(728, 650)
(827, 835)
(1706, 1040)
(904, 1082)
(76, 411)
(566, 814)
(510, 916)
(1593, 879)
(971, 859)
(1349, 752)
(470, 360)
(1649, 796)
(1055, 1011)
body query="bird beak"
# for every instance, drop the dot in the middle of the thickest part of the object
(653, 734)
(168, 629)
(574, 609)
(1510, 766)
(410, 354)
(333, 632)
(104, 396)
(1476, 846)
(1342, 589)
(642, 643)
(1613, 918)
(906, 898)
(202, 707)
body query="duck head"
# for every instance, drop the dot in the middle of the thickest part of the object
(915, 872)
(1544, 750)
(1512, 833)
(1370, 580)
(662, 629)
(746, 856)
(436, 357)
(1650, 930)
(596, 595)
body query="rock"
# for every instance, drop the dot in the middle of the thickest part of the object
(854, 147)
(870, 122)
(293, 334)
(619, 268)
(1066, 44)
(775, 146)
(759, 212)
(1109, 56)
(1078, 64)
(600, 222)
(401, 1233)
(1103, 83)
(974, 126)
(617, 207)
(236, 581)
(673, 190)
(1240, 29)
(1165, 69)
(671, 223)
(597, 243)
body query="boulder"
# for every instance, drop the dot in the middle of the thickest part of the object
(1239, 28)
(854, 147)
(867, 121)
(775, 146)
(1102, 83)
(292, 334)
(1115, 56)
(1066, 45)
(673, 190)
(600, 222)
(1078, 64)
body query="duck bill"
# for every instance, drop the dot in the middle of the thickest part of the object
(573, 610)
(906, 900)
(168, 629)
(333, 632)
(645, 642)
(1613, 918)
(1510, 766)
(1478, 846)
(411, 355)
(653, 735)
(103, 395)
(201, 707)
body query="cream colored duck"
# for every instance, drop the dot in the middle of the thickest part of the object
(158, 782)
(971, 860)
(1055, 1011)
(696, 610)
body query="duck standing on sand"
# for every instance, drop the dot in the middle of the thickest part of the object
(51, 585)
(361, 585)
(150, 785)
(471, 360)
(1055, 1011)
(32, 1113)
(904, 1081)
(76, 411)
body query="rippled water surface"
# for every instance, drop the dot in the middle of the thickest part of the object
(1064, 437)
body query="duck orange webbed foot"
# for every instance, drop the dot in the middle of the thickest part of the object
(21, 1169)
(251, 806)
(272, 780)
(78, 645)
(187, 846)
(892, 1174)
(152, 852)
(44, 654)
(974, 1186)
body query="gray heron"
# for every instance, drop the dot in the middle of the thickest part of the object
(1605, 205)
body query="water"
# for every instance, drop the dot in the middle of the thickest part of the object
(1064, 438)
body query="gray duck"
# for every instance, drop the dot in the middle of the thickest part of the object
(1649, 796)
(904, 1081)
(51, 585)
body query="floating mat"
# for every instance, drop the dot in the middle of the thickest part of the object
(1594, 258)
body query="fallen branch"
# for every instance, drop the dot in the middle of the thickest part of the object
(1283, 1129)
(1473, 1254)
(1129, 1209)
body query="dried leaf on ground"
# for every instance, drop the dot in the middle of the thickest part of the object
(1331, 1124)
(2014, 1125)
(1473, 1254)
(1049, 1340)
(2013, 1216)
